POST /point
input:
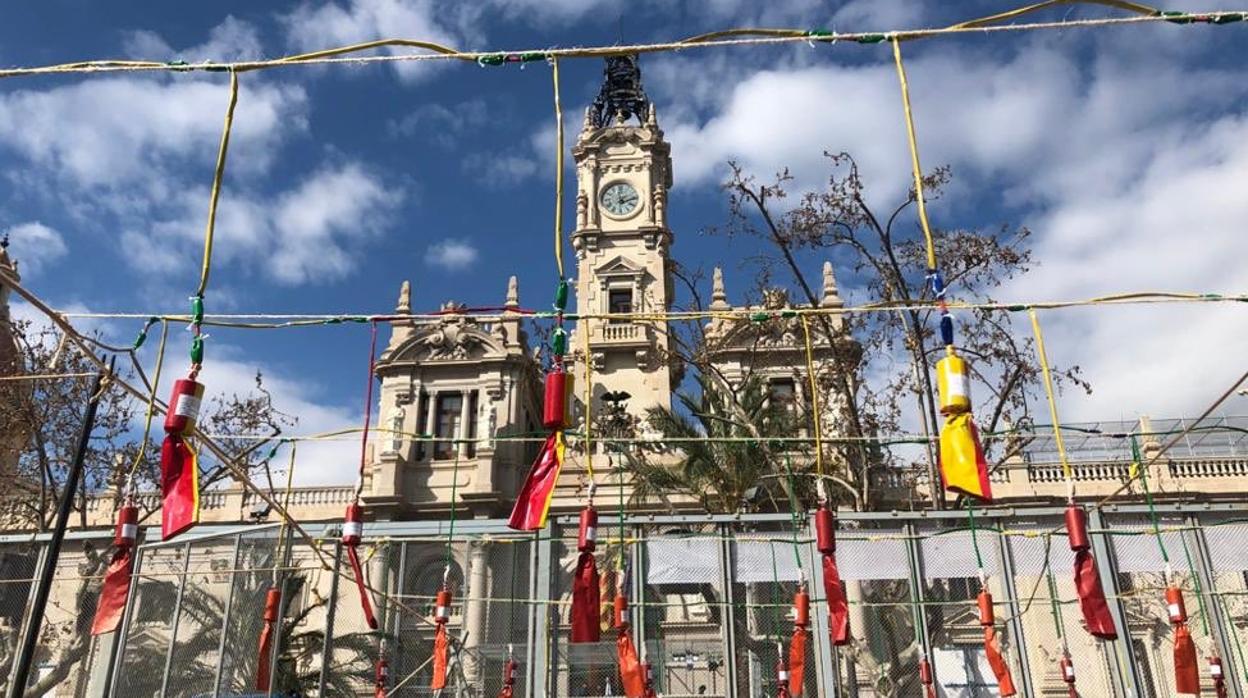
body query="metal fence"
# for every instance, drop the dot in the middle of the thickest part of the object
(711, 599)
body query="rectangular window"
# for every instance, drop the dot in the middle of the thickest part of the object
(422, 414)
(620, 300)
(472, 424)
(783, 392)
(446, 425)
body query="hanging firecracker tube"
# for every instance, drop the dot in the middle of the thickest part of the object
(1092, 602)
(115, 591)
(797, 643)
(1068, 674)
(926, 678)
(127, 531)
(586, 595)
(1186, 665)
(352, 536)
(184, 405)
(381, 680)
(554, 404)
(441, 642)
(953, 383)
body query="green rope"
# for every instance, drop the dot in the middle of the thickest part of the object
(450, 531)
(1200, 597)
(797, 517)
(970, 515)
(1239, 648)
(1148, 498)
(1053, 601)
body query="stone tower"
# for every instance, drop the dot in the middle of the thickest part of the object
(622, 240)
(14, 428)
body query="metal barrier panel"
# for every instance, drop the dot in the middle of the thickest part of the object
(142, 662)
(1142, 582)
(883, 657)
(66, 652)
(1228, 590)
(1043, 572)
(769, 561)
(247, 565)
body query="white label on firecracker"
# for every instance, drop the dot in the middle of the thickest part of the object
(187, 406)
(1069, 671)
(1175, 611)
(440, 612)
(591, 533)
(129, 531)
(959, 385)
(1215, 670)
(352, 528)
(783, 675)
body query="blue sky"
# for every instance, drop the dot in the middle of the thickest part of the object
(1123, 149)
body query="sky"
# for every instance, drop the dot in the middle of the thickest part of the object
(1124, 150)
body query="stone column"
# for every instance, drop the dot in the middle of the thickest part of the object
(478, 593)
(429, 417)
(465, 418)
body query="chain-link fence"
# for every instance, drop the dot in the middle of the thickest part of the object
(711, 606)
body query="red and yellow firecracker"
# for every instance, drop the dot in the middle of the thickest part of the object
(116, 590)
(179, 467)
(962, 464)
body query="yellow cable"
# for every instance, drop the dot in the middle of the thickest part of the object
(1052, 397)
(814, 396)
(589, 396)
(217, 176)
(1028, 9)
(914, 156)
(554, 69)
(151, 401)
(353, 48)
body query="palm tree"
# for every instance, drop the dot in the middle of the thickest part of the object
(747, 469)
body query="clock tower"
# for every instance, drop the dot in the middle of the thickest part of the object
(622, 242)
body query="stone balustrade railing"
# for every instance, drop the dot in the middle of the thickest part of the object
(236, 505)
(1020, 481)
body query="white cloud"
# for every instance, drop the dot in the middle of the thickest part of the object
(318, 462)
(231, 40)
(314, 26)
(439, 123)
(308, 233)
(119, 133)
(451, 254)
(34, 246)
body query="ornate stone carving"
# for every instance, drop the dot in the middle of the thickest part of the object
(660, 206)
(582, 211)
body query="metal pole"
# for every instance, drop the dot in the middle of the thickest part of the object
(21, 674)
(1015, 623)
(1126, 672)
(177, 618)
(225, 619)
(327, 652)
(726, 576)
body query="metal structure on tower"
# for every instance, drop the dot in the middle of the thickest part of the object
(621, 94)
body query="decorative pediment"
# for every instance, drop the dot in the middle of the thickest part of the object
(454, 338)
(620, 266)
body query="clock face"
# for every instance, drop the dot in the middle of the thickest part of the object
(620, 199)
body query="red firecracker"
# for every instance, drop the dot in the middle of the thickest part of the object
(992, 646)
(352, 535)
(586, 601)
(797, 644)
(116, 590)
(509, 679)
(632, 674)
(179, 469)
(381, 679)
(926, 678)
(264, 655)
(1092, 601)
(441, 643)
(1186, 666)
(838, 609)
